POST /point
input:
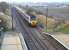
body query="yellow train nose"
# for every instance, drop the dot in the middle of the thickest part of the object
(33, 23)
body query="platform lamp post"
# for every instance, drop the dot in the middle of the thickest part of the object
(12, 13)
(12, 22)
(10, 10)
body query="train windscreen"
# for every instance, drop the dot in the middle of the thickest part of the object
(33, 17)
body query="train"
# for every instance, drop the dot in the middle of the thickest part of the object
(30, 18)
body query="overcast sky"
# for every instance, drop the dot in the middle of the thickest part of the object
(20, 1)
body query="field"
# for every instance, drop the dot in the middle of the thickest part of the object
(59, 25)
(59, 11)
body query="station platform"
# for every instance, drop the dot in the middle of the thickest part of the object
(63, 39)
(11, 41)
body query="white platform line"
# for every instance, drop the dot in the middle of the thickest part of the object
(22, 42)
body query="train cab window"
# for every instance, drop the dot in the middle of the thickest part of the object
(33, 17)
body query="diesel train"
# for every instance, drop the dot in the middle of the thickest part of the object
(31, 19)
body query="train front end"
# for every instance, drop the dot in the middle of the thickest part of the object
(33, 21)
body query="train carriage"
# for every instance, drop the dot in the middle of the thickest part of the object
(31, 19)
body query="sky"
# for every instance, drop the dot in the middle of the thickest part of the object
(20, 1)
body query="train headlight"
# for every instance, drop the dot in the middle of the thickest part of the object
(33, 22)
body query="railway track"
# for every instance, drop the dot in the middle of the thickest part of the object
(37, 43)
(44, 43)
(51, 40)
(32, 39)
(27, 37)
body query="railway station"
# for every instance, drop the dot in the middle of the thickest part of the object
(24, 29)
(63, 39)
(27, 38)
(12, 41)
(15, 41)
